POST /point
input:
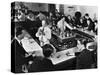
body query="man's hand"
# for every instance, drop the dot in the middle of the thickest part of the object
(24, 68)
(27, 55)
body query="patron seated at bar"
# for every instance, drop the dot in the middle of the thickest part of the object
(86, 19)
(43, 63)
(22, 57)
(44, 33)
(86, 58)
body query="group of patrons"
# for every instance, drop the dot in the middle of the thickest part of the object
(49, 22)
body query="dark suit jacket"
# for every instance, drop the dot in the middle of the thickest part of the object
(85, 22)
(91, 26)
(19, 52)
(84, 60)
(17, 56)
(39, 65)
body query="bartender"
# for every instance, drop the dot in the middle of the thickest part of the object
(62, 24)
(44, 33)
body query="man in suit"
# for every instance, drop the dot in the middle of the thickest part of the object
(19, 56)
(43, 63)
(85, 58)
(86, 20)
(91, 25)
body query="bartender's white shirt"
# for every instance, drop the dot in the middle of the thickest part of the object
(46, 37)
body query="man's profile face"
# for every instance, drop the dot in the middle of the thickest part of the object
(21, 36)
(43, 23)
(69, 17)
